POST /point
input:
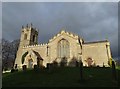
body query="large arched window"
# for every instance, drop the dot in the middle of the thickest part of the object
(63, 48)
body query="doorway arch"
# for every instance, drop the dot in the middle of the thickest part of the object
(30, 63)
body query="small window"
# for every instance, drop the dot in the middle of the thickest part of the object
(34, 39)
(25, 36)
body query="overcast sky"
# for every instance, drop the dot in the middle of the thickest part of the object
(93, 21)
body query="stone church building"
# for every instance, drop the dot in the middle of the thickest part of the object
(63, 45)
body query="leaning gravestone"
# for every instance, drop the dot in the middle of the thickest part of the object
(49, 67)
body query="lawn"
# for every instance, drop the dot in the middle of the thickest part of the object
(61, 77)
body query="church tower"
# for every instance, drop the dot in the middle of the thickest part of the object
(29, 36)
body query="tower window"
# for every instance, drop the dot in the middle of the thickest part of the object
(25, 36)
(34, 38)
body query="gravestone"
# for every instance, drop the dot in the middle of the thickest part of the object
(114, 71)
(81, 71)
(35, 67)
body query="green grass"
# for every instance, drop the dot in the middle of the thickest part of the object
(61, 77)
(118, 67)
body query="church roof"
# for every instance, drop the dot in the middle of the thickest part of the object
(96, 42)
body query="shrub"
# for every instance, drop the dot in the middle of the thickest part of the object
(63, 62)
(42, 66)
(55, 63)
(49, 65)
(98, 66)
(73, 62)
(110, 62)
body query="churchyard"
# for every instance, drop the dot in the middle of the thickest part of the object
(62, 77)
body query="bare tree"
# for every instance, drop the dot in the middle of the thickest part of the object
(9, 50)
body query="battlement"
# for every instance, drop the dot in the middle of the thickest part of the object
(64, 32)
(29, 27)
(40, 45)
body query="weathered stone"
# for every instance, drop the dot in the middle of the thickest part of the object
(64, 44)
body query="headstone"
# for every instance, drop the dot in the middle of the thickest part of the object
(35, 66)
(48, 65)
(81, 71)
(12, 70)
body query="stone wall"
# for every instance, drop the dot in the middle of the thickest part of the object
(75, 48)
(97, 51)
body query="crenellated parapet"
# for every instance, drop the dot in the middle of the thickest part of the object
(64, 32)
(28, 27)
(37, 45)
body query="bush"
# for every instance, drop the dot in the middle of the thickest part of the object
(63, 62)
(42, 67)
(73, 62)
(110, 62)
(98, 66)
(55, 63)
(49, 65)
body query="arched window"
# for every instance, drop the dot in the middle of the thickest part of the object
(63, 48)
(25, 36)
(34, 39)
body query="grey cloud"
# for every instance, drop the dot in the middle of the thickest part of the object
(92, 21)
